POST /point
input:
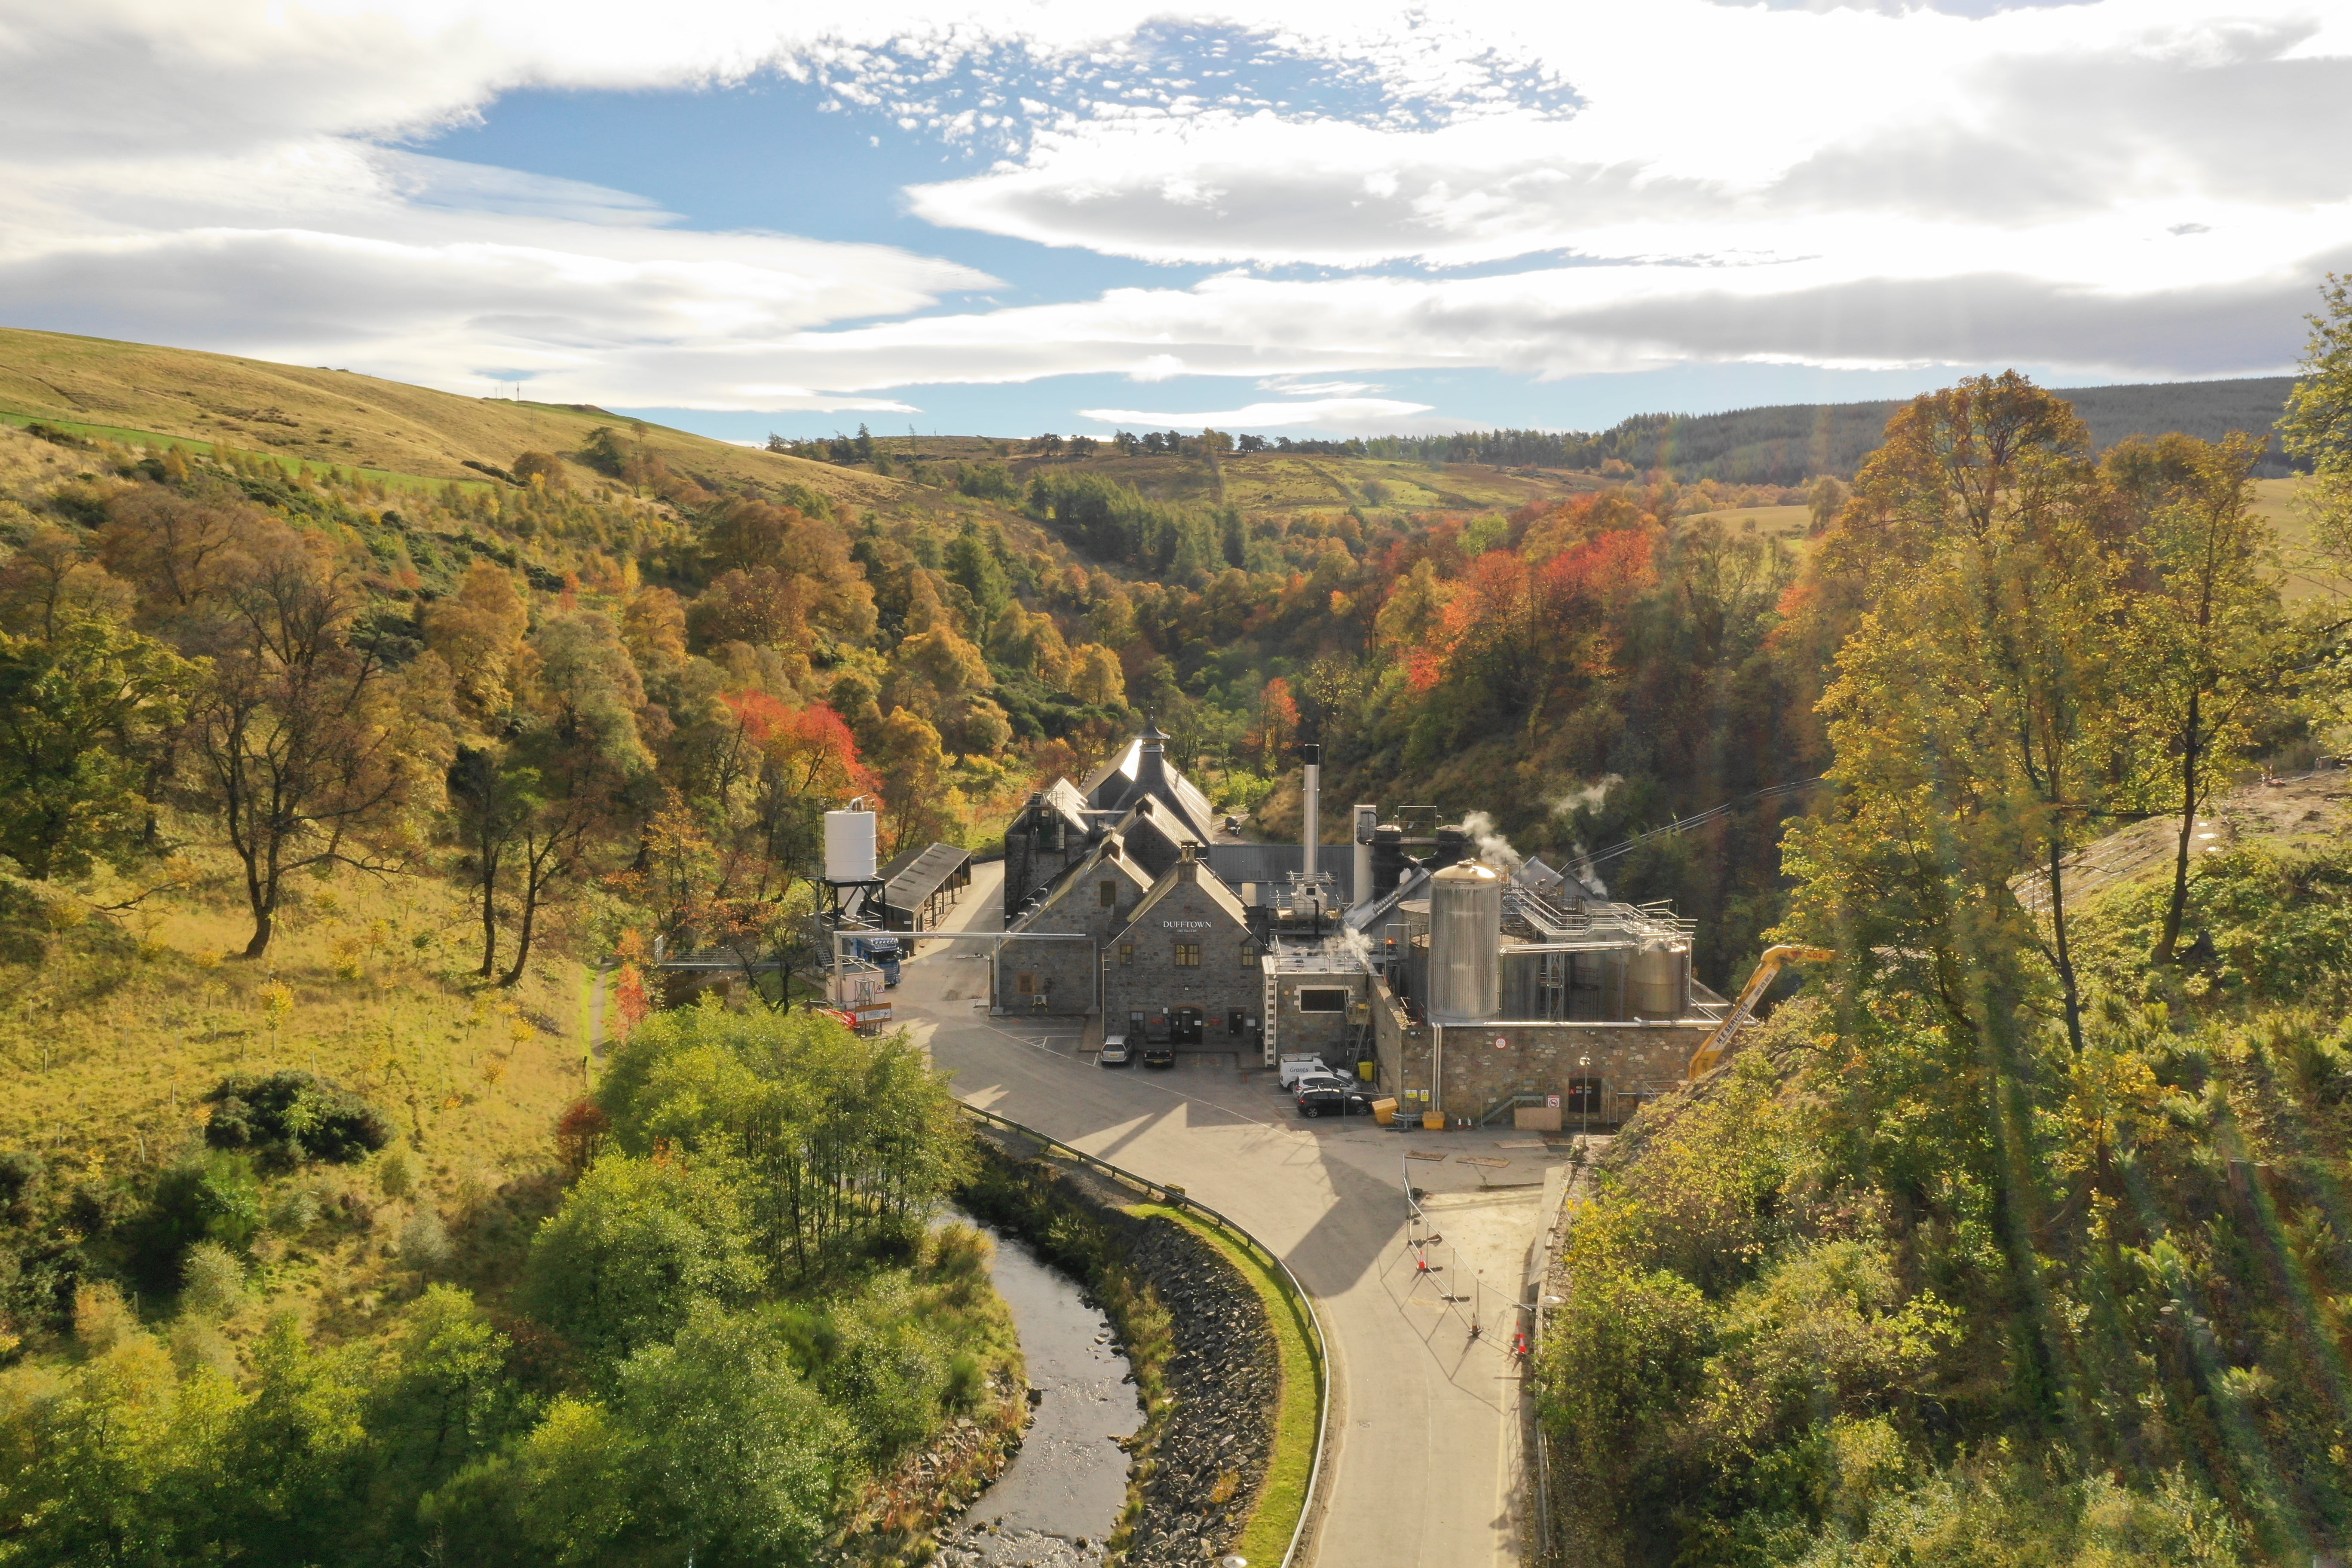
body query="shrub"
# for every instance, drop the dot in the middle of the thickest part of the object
(423, 1241)
(287, 1117)
(212, 1281)
(393, 1177)
(213, 1198)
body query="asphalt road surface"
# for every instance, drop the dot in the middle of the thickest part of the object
(1425, 1465)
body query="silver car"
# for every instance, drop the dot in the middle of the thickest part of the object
(1114, 1052)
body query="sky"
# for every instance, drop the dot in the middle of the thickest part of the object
(1329, 217)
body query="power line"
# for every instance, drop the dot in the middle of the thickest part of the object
(1770, 791)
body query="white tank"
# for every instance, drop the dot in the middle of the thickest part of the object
(1466, 944)
(848, 846)
(1660, 979)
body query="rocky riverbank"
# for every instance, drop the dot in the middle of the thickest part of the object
(1205, 1357)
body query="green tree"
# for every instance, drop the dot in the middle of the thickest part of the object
(738, 1461)
(635, 1243)
(80, 716)
(971, 561)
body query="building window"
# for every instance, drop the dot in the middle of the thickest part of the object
(1249, 954)
(1188, 955)
(1583, 1097)
(1028, 983)
(1323, 999)
(1127, 952)
(1110, 894)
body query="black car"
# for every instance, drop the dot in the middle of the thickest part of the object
(1159, 1056)
(1317, 1099)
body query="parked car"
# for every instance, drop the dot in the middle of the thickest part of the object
(1159, 1056)
(1114, 1052)
(1318, 1101)
(1321, 1080)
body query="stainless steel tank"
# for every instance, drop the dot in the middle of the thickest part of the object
(1466, 944)
(1660, 980)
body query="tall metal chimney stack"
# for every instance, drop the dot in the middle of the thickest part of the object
(1311, 789)
(1367, 818)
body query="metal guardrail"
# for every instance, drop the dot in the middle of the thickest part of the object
(1176, 1197)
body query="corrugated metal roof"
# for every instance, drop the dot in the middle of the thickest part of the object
(915, 875)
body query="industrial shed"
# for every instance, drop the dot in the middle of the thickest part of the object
(919, 885)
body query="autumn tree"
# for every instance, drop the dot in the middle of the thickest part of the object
(916, 803)
(477, 631)
(294, 735)
(1977, 701)
(1277, 723)
(2206, 625)
(2318, 423)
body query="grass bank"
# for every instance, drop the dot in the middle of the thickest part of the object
(1274, 1515)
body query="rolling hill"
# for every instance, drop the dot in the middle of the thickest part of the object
(98, 386)
(1786, 444)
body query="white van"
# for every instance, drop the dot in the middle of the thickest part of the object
(1291, 1069)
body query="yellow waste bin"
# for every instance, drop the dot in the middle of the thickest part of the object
(1434, 1120)
(1385, 1111)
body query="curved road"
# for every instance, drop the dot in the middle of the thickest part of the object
(1423, 1464)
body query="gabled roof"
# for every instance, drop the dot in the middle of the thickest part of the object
(1107, 858)
(1114, 787)
(1065, 797)
(1218, 894)
(1170, 825)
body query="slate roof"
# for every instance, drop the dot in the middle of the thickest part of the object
(1100, 861)
(1111, 785)
(1270, 864)
(1219, 894)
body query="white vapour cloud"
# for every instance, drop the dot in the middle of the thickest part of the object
(2141, 188)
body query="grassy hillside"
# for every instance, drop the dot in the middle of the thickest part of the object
(1793, 1332)
(1784, 444)
(125, 391)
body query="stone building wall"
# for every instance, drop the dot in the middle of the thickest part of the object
(1632, 1062)
(1140, 974)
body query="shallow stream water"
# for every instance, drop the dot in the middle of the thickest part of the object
(1068, 1482)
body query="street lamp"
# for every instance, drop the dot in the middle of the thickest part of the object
(1584, 1097)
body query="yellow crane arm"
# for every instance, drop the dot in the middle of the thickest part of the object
(1710, 1053)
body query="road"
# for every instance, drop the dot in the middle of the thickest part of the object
(1423, 1466)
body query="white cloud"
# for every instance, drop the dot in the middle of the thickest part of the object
(1761, 134)
(1351, 416)
(2148, 187)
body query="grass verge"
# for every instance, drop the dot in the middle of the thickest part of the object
(1274, 1517)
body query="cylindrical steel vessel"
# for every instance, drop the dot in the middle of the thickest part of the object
(1660, 979)
(1466, 944)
